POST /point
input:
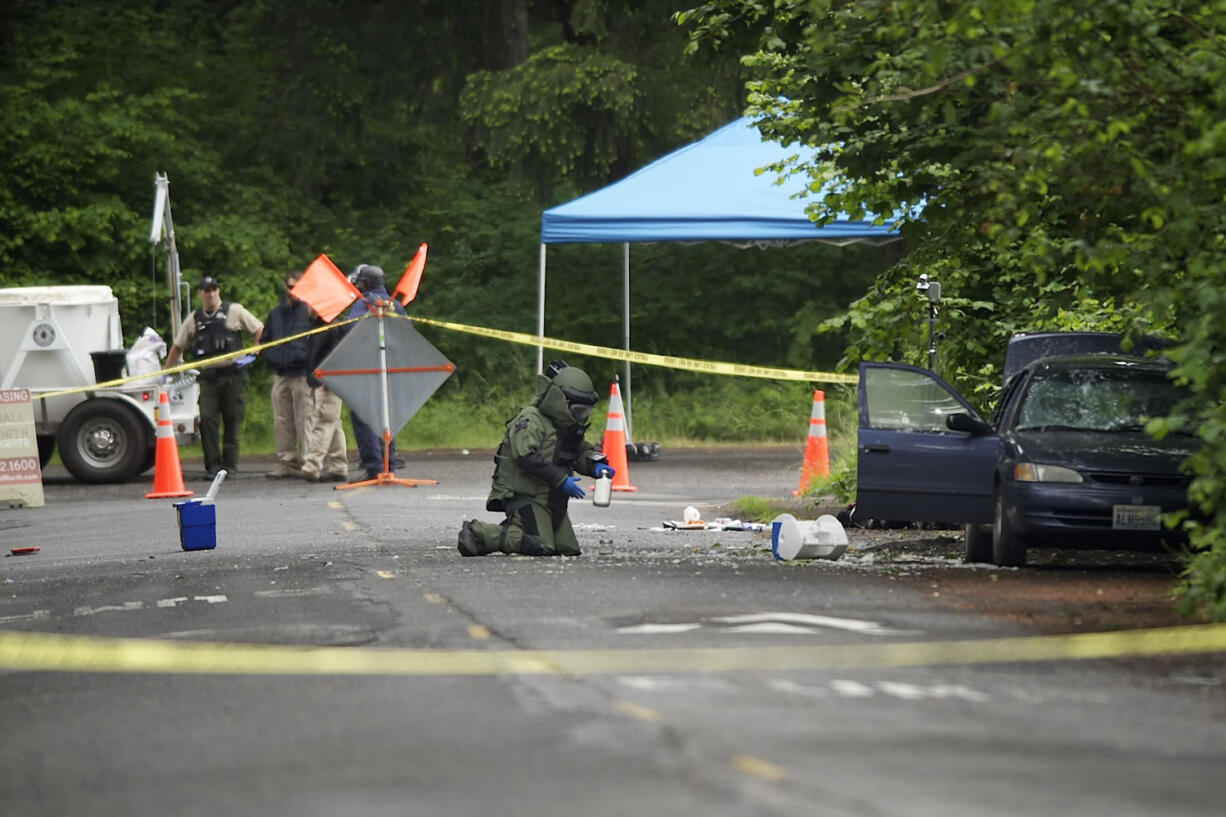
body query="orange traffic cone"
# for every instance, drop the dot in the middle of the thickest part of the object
(817, 458)
(614, 443)
(167, 472)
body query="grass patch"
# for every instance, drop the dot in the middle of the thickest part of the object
(757, 509)
(722, 411)
(841, 482)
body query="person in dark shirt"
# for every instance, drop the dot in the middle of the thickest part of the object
(292, 397)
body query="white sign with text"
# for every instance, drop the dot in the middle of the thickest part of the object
(21, 479)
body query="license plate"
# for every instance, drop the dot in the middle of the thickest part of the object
(1136, 517)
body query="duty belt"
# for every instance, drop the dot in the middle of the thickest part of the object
(217, 374)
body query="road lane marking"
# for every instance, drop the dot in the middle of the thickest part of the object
(71, 653)
(664, 683)
(132, 606)
(433, 598)
(917, 692)
(477, 632)
(756, 767)
(894, 689)
(793, 688)
(37, 614)
(770, 628)
(335, 504)
(639, 713)
(851, 689)
(348, 525)
(109, 608)
(653, 629)
(288, 593)
(385, 574)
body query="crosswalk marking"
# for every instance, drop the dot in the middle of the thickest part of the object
(853, 625)
(768, 624)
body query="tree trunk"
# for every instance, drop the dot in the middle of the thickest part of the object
(506, 33)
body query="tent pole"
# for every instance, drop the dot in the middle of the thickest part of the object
(540, 316)
(626, 328)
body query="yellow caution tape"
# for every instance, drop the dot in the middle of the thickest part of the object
(590, 350)
(197, 364)
(645, 358)
(45, 652)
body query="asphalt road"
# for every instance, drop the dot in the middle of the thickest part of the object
(662, 672)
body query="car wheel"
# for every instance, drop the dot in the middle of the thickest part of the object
(978, 543)
(1008, 547)
(102, 440)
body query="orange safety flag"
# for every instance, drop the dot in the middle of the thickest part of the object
(325, 289)
(407, 287)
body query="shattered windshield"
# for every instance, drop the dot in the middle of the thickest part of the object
(1097, 399)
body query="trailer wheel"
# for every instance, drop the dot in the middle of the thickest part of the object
(103, 440)
(150, 459)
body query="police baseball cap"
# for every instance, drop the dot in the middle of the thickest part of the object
(207, 282)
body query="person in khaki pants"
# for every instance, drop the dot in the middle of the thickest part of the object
(292, 399)
(326, 459)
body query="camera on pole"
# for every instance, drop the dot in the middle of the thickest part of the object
(931, 289)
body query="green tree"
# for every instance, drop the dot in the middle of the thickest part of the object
(604, 89)
(95, 98)
(1064, 164)
(290, 128)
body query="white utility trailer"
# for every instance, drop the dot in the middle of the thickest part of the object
(55, 339)
(68, 338)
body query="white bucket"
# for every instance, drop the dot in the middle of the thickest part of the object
(822, 538)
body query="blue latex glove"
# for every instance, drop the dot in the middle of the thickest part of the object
(572, 489)
(603, 469)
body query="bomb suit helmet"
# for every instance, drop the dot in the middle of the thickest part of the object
(579, 392)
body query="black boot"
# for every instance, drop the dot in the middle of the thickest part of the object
(470, 543)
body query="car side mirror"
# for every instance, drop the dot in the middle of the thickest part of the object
(965, 422)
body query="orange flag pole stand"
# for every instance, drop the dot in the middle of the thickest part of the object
(386, 477)
(817, 456)
(167, 472)
(614, 443)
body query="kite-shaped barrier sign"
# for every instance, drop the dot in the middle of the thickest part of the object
(385, 371)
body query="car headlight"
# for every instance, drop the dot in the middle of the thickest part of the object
(1035, 472)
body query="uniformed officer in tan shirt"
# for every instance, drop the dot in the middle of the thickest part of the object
(217, 328)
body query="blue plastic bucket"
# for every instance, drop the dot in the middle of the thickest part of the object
(197, 524)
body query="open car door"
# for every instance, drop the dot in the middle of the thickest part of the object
(912, 466)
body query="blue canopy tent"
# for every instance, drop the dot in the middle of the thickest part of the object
(704, 191)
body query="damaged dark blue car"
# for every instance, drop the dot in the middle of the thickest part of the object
(1064, 461)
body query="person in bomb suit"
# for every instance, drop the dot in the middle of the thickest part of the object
(533, 481)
